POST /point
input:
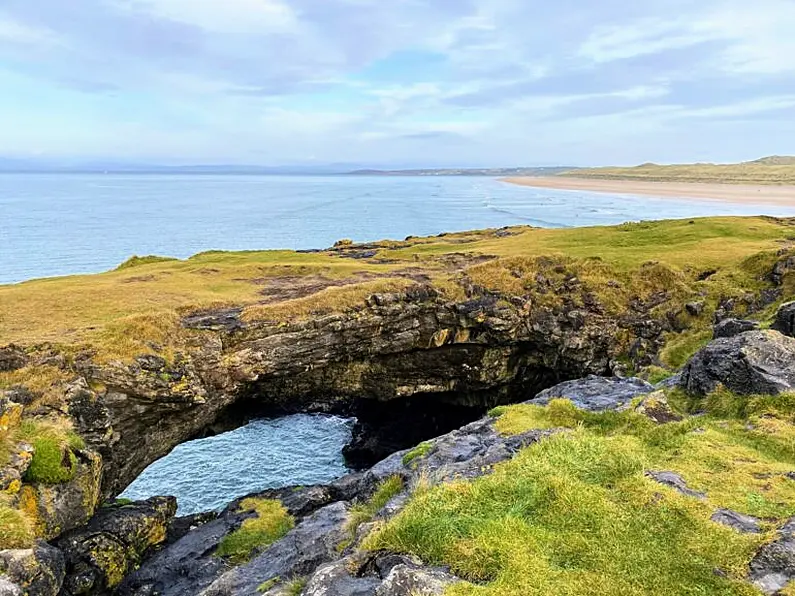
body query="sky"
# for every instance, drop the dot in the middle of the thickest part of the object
(400, 82)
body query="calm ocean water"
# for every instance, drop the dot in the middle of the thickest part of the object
(209, 473)
(54, 224)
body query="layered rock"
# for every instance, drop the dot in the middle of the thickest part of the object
(322, 546)
(482, 352)
(753, 363)
(596, 394)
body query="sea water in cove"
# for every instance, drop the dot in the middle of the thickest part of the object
(60, 224)
(207, 474)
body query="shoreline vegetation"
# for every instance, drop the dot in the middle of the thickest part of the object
(745, 194)
(766, 181)
(102, 374)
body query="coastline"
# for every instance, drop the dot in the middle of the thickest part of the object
(730, 193)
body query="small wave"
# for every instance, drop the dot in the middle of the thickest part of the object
(531, 220)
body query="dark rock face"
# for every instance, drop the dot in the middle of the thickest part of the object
(596, 394)
(732, 327)
(316, 547)
(101, 554)
(405, 580)
(785, 319)
(477, 353)
(758, 362)
(656, 408)
(745, 524)
(773, 567)
(403, 576)
(676, 482)
(38, 571)
(12, 358)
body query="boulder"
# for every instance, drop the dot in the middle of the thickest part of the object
(63, 507)
(38, 571)
(656, 408)
(12, 358)
(676, 482)
(731, 327)
(773, 566)
(785, 319)
(405, 580)
(338, 579)
(18, 463)
(745, 524)
(113, 543)
(695, 309)
(596, 394)
(757, 362)
(311, 543)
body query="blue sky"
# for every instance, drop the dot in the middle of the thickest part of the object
(404, 82)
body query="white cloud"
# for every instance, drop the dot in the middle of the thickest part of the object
(640, 38)
(756, 38)
(14, 32)
(224, 16)
(760, 36)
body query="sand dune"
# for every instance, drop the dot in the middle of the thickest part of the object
(734, 193)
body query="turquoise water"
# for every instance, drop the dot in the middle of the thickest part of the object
(56, 224)
(209, 473)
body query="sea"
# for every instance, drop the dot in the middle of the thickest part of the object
(63, 224)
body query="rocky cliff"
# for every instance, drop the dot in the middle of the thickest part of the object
(80, 425)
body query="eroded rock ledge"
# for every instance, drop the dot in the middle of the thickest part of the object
(415, 344)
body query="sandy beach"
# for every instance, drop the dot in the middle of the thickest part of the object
(733, 193)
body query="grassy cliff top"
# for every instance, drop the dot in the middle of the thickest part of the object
(146, 296)
(768, 170)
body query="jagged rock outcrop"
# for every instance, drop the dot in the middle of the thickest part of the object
(12, 358)
(785, 319)
(596, 394)
(757, 362)
(100, 555)
(481, 352)
(56, 508)
(322, 544)
(37, 571)
(773, 567)
(731, 327)
(745, 524)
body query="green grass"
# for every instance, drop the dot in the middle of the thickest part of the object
(267, 585)
(774, 171)
(54, 461)
(420, 450)
(657, 374)
(575, 514)
(362, 513)
(681, 347)
(295, 587)
(272, 522)
(572, 515)
(136, 261)
(16, 531)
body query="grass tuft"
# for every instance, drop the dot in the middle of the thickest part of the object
(365, 512)
(420, 450)
(54, 461)
(271, 523)
(571, 515)
(136, 261)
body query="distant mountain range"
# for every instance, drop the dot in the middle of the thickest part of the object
(13, 165)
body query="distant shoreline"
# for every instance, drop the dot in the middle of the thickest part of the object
(730, 193)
